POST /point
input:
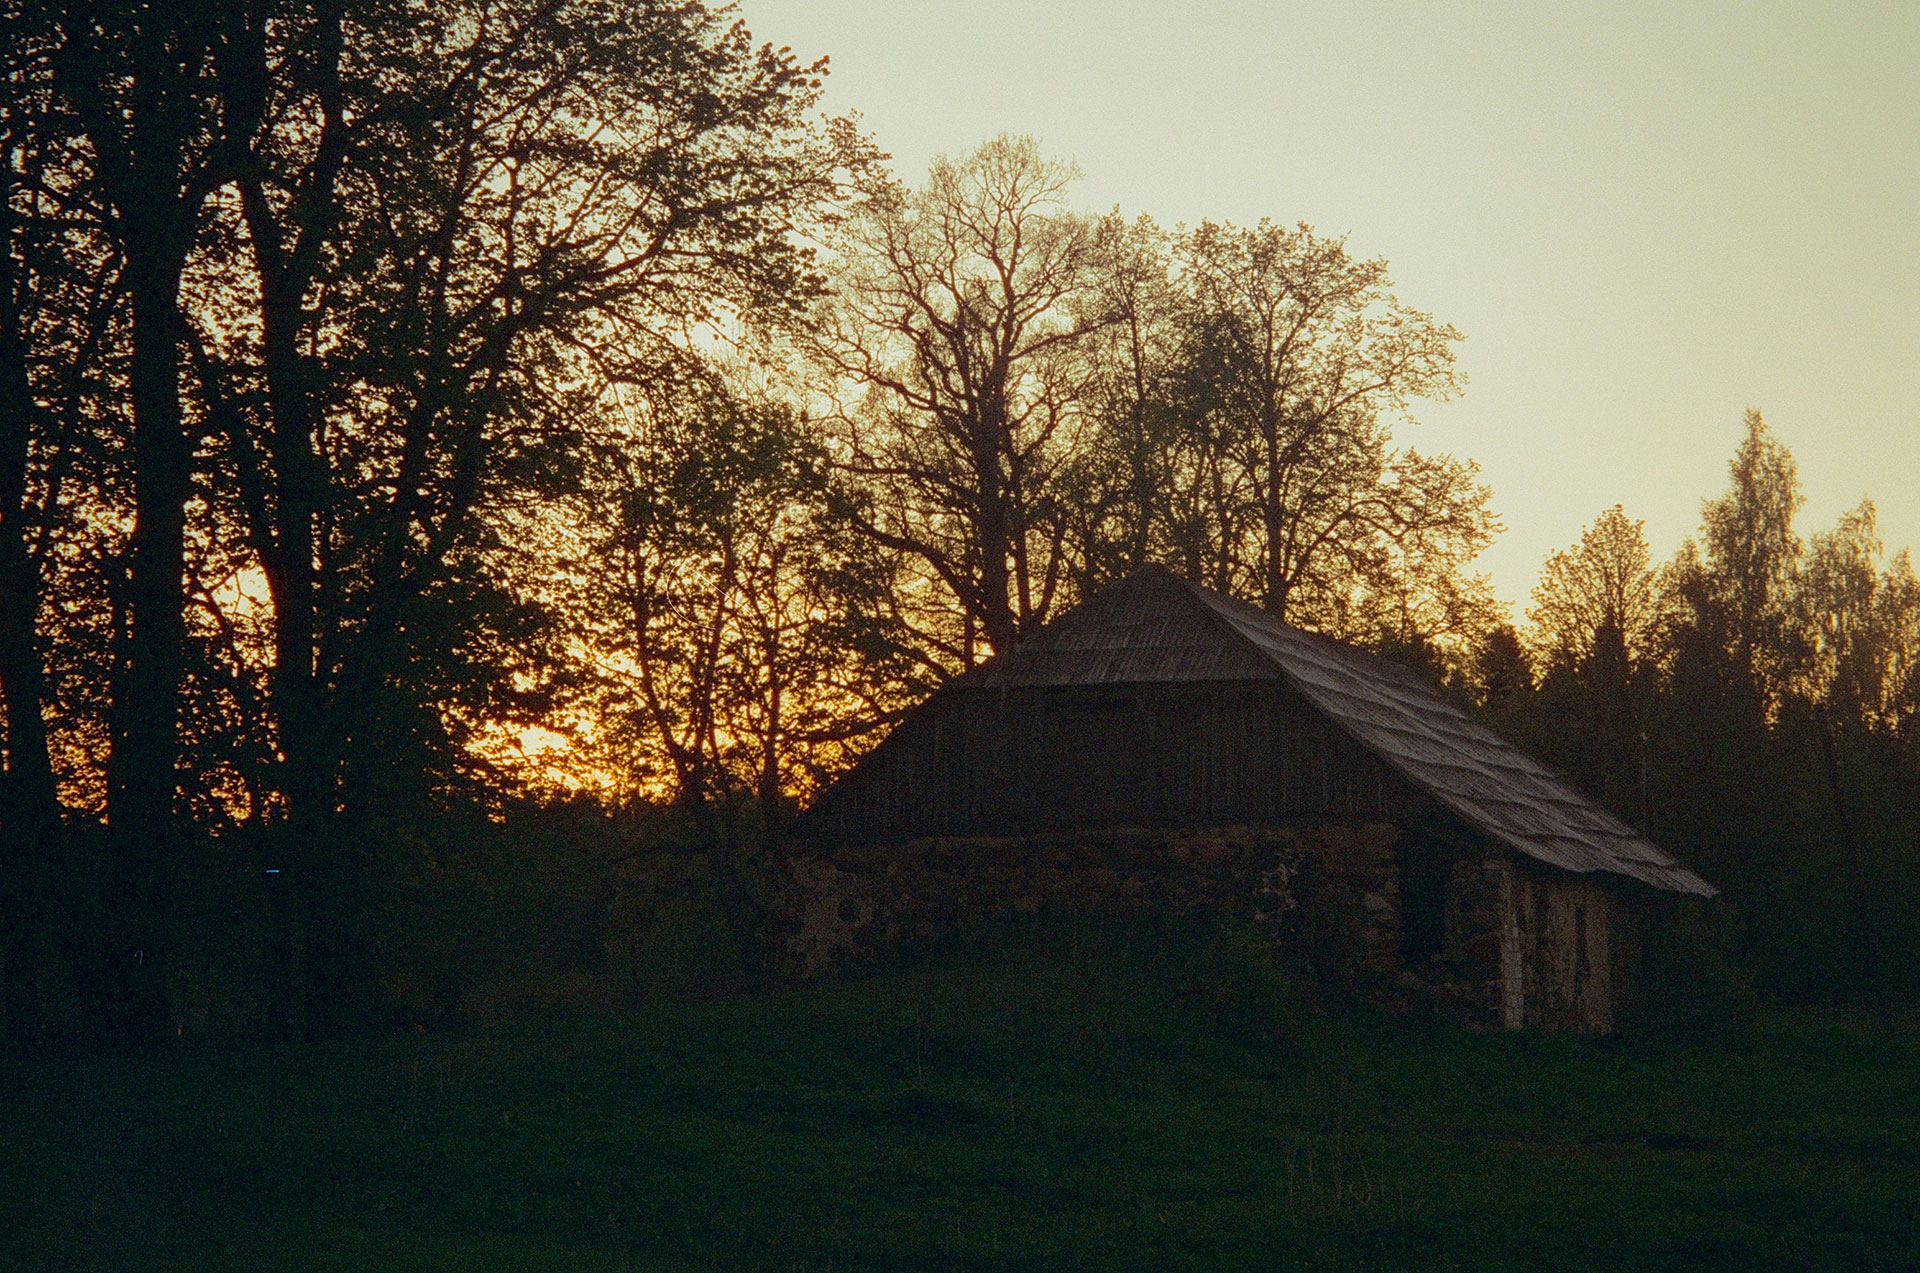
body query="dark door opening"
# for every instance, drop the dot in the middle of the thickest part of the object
(1425, 864)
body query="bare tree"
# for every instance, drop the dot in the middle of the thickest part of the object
(952, 340)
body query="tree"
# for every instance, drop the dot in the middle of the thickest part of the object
(32, 291)
(1750, 704)
(953, 336)
(1293, 359)
(136, 82)
(1858, 630)
(732, 614)
(338, 289)
(1124, 472)
(455, 231)
(1593, 630)
(1243, 385)
(1390, 564)
(1859, 627)
(1728, 646)
(1604, 584)
(1750, 553)
(735, 623)
(1502, 672)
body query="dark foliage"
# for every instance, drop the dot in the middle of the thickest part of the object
(1751, 706)
(365, 427)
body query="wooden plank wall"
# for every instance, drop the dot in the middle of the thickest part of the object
(1030, 760)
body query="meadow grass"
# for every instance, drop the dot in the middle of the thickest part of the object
(1069, 1106)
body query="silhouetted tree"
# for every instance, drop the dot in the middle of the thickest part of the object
(457, 228)
(1750, 553)
(31, 832)
(737, 620)
(1124, 474)
(338, 289)
(1607, 581)
(954, 334)
(1502, 670)
(1294, 357)
(138, 84)
(1244, 384)
(1857, 628)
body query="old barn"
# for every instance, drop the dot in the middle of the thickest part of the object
(1163, 744)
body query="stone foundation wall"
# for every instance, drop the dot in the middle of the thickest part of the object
(1327, 896)
(1466, 977)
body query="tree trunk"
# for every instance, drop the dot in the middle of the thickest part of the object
(306, 761)
(996, 580)
(31, 830)
(141, 770)
(32, 834)
(1858, 886)
(288, 247)
(1273, 526)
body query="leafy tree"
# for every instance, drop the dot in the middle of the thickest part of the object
(1857, 628)
(1750, 553)
(317, 304)
(455, 231)
(1294, 358)
(136, 84)
(735, 619)
(1605, 584)
(1502, 671)
(1124, 473)
(1858, 624)
(1244, 384)
(1751, 705)
(44, 307)
(1594, 627)
(1727, 647)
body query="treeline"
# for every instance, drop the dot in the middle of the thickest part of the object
(465, 467)
(1754, 705)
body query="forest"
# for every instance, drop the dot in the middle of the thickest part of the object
(471, 470)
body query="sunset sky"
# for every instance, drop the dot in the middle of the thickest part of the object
(1645, 218)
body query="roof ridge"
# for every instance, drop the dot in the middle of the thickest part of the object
(1145, 599)
(1202, 598)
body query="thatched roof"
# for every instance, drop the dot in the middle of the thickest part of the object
(1154, 627)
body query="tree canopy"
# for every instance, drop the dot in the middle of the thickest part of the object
(422, 418)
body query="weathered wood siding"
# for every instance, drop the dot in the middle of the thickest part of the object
(1023, 761)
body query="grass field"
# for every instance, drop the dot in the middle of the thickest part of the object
(1068, 1108)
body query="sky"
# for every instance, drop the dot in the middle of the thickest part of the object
(1646, 218)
